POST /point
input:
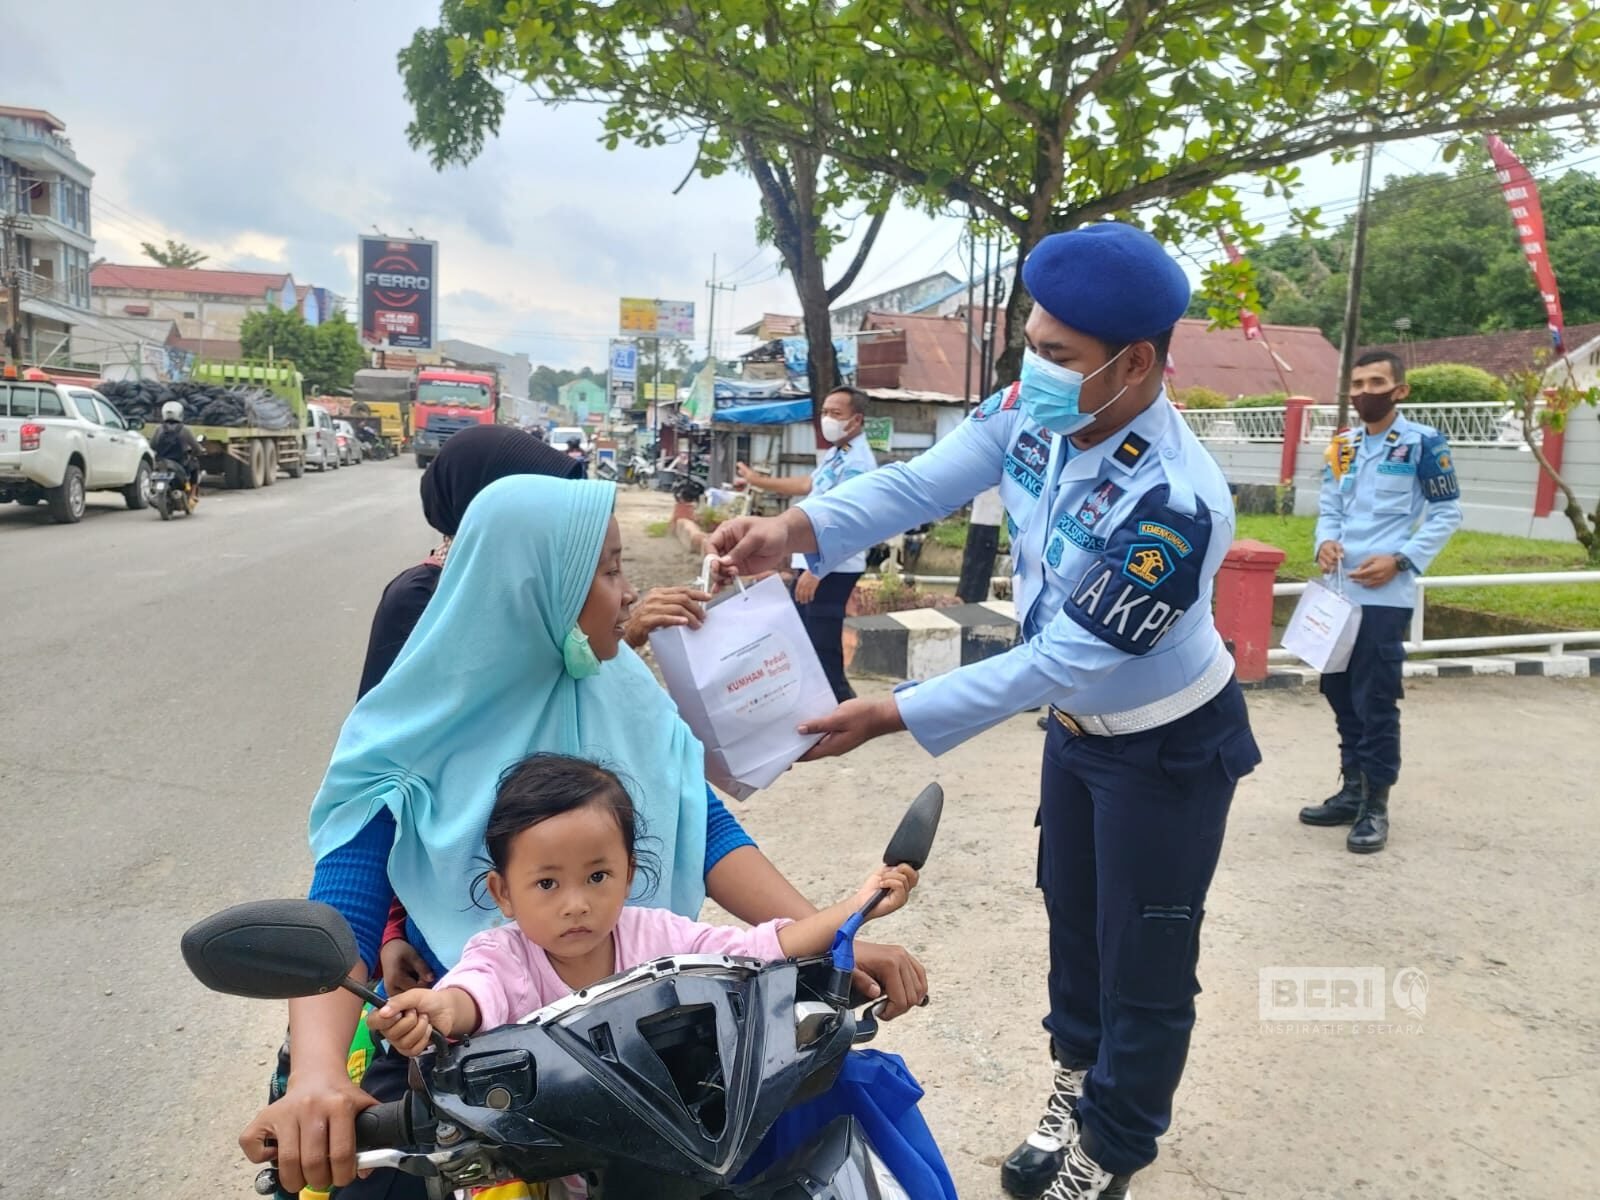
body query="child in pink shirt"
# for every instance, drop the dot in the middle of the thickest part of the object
(562, 838)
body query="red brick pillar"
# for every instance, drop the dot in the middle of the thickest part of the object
(1294, 432)
(1244, 605)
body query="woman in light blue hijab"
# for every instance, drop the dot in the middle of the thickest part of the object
(520, 649)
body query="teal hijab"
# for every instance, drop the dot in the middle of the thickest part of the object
(480, 684)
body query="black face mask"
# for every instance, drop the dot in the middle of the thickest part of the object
(1373, 407)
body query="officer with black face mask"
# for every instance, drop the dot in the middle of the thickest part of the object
(1389, 503)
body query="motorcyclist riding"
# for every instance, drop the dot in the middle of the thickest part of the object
(176, 445)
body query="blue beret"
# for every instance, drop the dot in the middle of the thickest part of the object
(1108, 280)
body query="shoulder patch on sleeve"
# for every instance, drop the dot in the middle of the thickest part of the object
(1146, 578)
(1436, 472)
(1002, 401)
(1131, 451)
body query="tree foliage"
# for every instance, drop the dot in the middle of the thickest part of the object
(1453, 383)
(1442, 260)
(1041, 117)
(175, 254)
(328, 355)
(630, 57)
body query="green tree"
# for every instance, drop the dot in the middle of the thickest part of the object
(1041, 118)
(1442, 260)
(334, 355)
(662, 71)
(176, 254)
(277, 333)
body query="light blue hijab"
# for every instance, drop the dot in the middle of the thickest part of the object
(480, 684)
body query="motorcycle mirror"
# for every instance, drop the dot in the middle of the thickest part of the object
(913, 839)
(272, 950)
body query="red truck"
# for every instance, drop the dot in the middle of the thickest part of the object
(448, 401)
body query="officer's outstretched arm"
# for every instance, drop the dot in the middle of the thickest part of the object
(862, 511)
(1156, 569)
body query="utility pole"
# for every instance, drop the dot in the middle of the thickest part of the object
(1352, 300)
(983, 526)
(714, 287)
(11, 224)
(972, 270)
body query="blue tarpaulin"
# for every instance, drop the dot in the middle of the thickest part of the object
(793, 411)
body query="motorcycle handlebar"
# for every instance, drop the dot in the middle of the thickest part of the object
(384, 1126)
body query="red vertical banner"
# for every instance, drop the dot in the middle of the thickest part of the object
(1248, 321)
(1522, 197)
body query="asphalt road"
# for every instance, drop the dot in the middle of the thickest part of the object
(171, 695)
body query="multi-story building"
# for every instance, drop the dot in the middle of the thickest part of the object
(205, 304)
(44, 201)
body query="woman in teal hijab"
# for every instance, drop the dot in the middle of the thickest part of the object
(520, 649)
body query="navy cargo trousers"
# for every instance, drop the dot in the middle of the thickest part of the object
(1130, 830)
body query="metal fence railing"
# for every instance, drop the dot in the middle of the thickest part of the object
(1481, 425)
(1555, 641)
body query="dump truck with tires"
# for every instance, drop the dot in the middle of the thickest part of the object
(251, 416)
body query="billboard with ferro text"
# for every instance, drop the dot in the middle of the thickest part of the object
(398, 282)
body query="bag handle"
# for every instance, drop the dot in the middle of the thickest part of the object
(704, 582)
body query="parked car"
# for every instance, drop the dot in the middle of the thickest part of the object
(349, 444)
(322, 439)
(59, 442)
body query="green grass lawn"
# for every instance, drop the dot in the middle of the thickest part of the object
(1559, 606)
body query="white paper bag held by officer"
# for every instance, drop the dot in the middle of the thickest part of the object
(1323, 630)
(743, 681)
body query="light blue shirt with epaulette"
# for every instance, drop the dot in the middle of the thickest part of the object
(1115, 551)
(1394, 492)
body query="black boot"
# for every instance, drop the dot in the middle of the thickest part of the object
(1082, 1178)
(1341, 808)
(1033, 1166)
(1371, 831)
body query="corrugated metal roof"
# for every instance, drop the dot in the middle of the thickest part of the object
(254, 284)
(1226, 361)
(1496, 353)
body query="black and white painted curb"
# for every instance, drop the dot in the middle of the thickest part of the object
(1574, 665)
(925, 642)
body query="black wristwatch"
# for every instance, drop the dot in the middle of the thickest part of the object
(1404, 563)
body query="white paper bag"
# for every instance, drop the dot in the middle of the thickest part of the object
(1322, 632)
(743, 681)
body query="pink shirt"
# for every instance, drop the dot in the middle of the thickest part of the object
(509, 977)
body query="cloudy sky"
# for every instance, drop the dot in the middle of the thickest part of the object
(272, 135)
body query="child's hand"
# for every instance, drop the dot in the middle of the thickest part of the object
(409, 1019)
(898, 881)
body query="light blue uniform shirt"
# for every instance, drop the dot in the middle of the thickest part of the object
(833, 468)
(1399, 495)
(1115, 547)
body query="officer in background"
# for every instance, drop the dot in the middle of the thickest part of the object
(822, 602)
(1389, 503)
(1121, 521)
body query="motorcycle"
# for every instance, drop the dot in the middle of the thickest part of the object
(168, 496)
(640, 471)
(661, 1081)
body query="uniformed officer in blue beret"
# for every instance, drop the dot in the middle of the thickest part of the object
(1389, 503)
(1119, 520)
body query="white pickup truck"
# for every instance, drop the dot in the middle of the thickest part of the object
(59, 442)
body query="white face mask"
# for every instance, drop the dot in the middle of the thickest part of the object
(833, 429)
